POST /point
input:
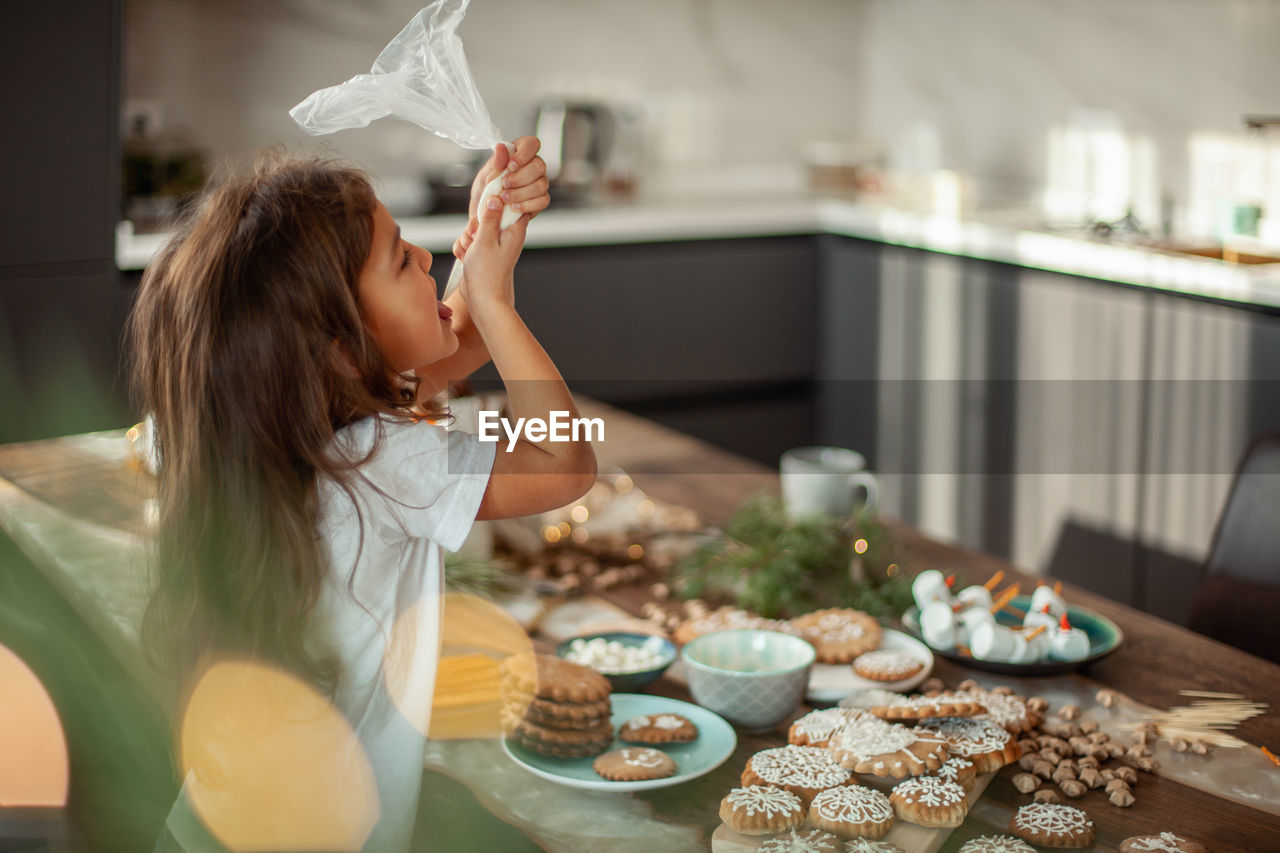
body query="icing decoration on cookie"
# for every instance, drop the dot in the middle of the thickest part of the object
(805, 766)
(764, 799)
(852, 803)
(1052, 818)
(970, 737)
(1165, 842)
(866, 845)
(643, 757)
(951, 769)
(879, 739)
(819, 726)
(667, 721)
(803, 841)
(890, 662)
(1004, 710)
(930, 791)
(997, 844)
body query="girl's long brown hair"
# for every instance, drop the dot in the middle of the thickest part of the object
(244, 337)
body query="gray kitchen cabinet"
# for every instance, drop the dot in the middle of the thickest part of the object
(715, 337)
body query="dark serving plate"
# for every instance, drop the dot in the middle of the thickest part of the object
(1104, 638)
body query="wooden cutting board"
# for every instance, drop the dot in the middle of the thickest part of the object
(908, 836)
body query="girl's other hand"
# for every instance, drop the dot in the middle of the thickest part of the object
(488, 276)
(524, 185)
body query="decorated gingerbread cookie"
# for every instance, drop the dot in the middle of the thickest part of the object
(960, 770)
(866, 845)
(551, 677)
(1165, 842)
(839, 635)
(910, 709)
(658, 728)
(816, 727)
(929, 801)
(986, 744)
(997, 844)
(1052, 825)
(633, 763)
(887, 665)
(803, 841)
(1004, 709)
(803, 770)
(887, 749)
(852, 811)
(727, 619)
(761, 810)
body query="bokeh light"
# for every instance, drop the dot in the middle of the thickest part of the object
(33, 749)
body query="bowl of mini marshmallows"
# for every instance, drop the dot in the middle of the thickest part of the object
(629, 661)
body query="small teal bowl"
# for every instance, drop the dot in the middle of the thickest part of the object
(752, 678)
(629, 682)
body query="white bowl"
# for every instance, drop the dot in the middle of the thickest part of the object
(752, 678)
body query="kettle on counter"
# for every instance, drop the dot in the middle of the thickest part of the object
(576, 141)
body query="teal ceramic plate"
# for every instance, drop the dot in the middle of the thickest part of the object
(1104, 638)
(715, 743)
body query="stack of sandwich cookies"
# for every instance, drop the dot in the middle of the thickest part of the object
(555, 707)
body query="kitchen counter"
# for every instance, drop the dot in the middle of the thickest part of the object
(1002, 236)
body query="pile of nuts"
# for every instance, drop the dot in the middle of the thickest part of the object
(1078, 757)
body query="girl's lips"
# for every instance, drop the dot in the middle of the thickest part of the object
(445, 311)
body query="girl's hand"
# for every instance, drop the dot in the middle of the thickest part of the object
(487, 278)
(524, 185)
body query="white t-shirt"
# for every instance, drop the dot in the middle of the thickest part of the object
(378, 614)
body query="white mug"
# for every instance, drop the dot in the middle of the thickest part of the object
(824, 480)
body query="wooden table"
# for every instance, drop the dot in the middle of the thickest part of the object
(1156, 660)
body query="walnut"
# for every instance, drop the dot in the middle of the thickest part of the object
(1123, 799)
(1106, 698)
(968, 684)
(1073, 788)
(1046, 795)
(1037, 704)
(1025, 782)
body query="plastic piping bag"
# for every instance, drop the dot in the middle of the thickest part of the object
(422, 76)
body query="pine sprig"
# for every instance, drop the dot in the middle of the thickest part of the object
(775, 566)
(490, 578)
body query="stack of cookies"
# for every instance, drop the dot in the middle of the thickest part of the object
(555, 707)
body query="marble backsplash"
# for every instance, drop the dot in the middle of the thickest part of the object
(1145, 96)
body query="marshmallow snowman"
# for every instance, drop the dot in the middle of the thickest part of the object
(1045, 595)
(1067, 643)
(931, 586)
(938, 624)
(975, 596)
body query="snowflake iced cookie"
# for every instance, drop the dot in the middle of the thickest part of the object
(803, 770)
(838, 635)
(887, 749)
(866, 845)
(816, 727)
(929, 801)
(761, 810)
(997, 844)
(658, 728)
(852, 811)
(1165, 842)
(634, 763)
(887, 665)
(1004, 709)
(988, 745)
(803, 841)
(958, 769)
(1052, 825)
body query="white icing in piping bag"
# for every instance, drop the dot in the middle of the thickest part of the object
(509, 216)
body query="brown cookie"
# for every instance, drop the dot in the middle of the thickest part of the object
(887, 665)
(887, 749)
(997, 844)
(803, 770)
(838, 635)
(986, 744)
(852, 811)
(929, 801)
(1004, 709)
(1052, 825)
(960, 770)
(658, 728)
(911, 709)
(1165, 842)
(551, 677)
(726, 619)
(761, 810)
(585, 750)
(553, 713)
(564, 737)
(633, 763)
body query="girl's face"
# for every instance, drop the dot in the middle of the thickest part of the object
(397, 296)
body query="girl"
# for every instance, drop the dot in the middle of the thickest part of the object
(289, 344)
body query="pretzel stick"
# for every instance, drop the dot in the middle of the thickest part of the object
(1057, 587)
(994, 580)
(1004, 598)
(1035, 632)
